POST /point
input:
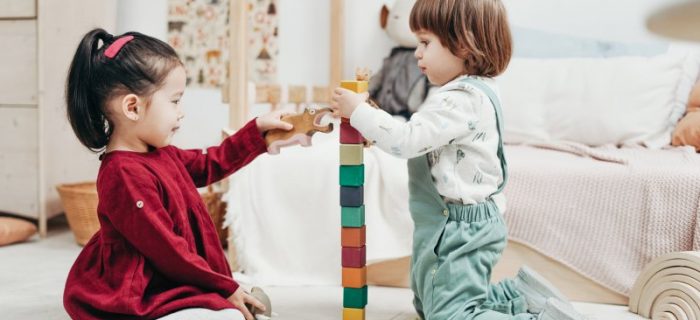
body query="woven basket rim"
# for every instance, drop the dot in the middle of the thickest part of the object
(80, 202)
(78, 187)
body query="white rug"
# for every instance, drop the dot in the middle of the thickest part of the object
(32, 276)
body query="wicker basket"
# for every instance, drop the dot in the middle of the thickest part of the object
(80, 203)
(217, 211)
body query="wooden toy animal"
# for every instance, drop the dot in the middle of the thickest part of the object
(305, 125)
(259, 294)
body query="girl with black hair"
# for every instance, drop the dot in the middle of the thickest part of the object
(157, 253)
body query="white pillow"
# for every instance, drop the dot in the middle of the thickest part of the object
(597, 101)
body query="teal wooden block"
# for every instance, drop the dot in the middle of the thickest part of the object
(352, 176)
(355, 297)
(352, 216)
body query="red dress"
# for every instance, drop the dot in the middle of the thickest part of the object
(157, 250)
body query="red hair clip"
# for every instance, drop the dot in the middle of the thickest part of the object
(117, 45)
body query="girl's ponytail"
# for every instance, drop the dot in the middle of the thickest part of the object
(85, 110)
(100, 71)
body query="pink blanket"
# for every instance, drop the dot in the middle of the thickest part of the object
(604, 212)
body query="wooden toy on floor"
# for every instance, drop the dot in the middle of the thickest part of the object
(259, 294)
(305, 125)
(668, 287)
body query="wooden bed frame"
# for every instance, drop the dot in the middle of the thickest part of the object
(395, 272)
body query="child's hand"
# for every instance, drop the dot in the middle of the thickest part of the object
(272, 120)
(345, 101)
(240, 298)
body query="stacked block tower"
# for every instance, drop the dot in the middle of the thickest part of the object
(352, 178)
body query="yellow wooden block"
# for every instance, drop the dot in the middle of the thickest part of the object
(353, 314)
(351, 154)
(353, 85)
(355, 277)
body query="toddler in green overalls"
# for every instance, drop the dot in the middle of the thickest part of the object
(457, 168)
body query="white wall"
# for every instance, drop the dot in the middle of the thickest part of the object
(305, 44)
(148, 17)
(366, 44)
(618, 20)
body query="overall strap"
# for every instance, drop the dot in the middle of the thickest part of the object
(499, 124)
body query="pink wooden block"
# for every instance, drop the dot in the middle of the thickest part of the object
(354, 257)
(348, 134)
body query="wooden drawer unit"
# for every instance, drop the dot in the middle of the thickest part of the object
(19, 160)
(18, 62)
(17, 9)
(38, 149)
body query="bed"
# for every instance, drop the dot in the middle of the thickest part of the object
(594, 232)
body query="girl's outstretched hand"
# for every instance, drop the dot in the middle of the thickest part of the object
(240, 298)
(272, 120)
(345, 101)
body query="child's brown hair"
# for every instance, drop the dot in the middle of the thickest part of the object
(474, 30)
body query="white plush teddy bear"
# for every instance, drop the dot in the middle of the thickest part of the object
(399, 87)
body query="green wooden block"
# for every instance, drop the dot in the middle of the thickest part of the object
(351, 154)
(355, 297)
(352, 176)
(352, 216)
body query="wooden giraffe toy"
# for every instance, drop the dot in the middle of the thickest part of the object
(305, 125)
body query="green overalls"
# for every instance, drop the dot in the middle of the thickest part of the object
(455, 248)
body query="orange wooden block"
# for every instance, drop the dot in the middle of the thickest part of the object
(353, 237)
(353, 314)
(355, 277)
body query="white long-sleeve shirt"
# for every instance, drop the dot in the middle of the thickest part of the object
(457, 126)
